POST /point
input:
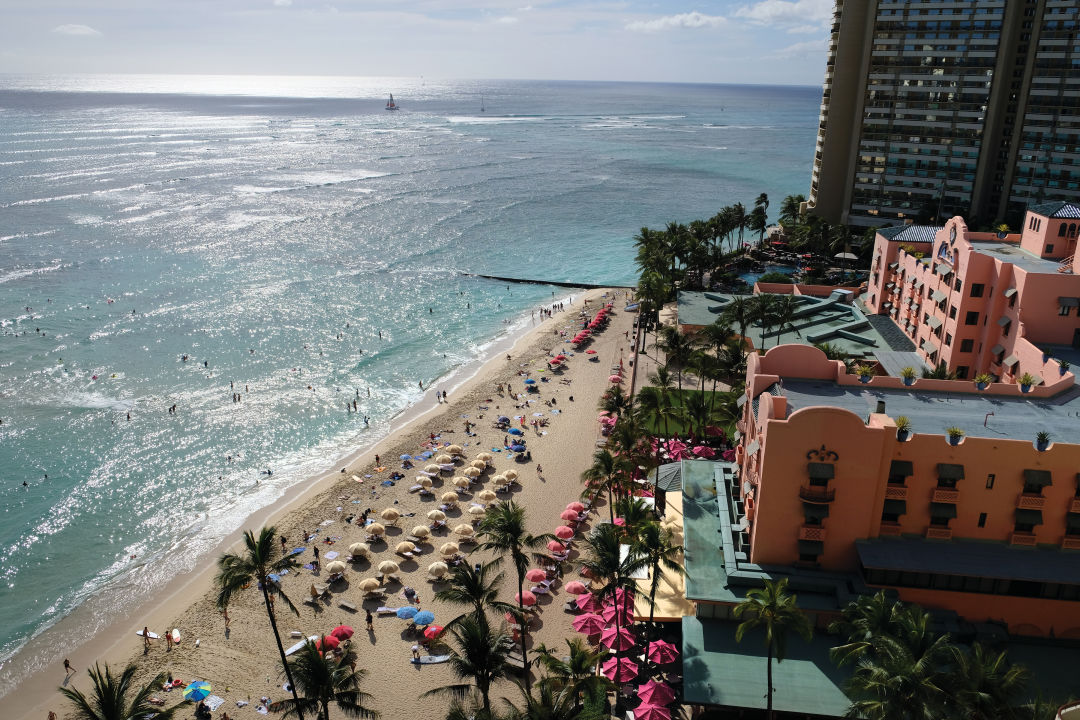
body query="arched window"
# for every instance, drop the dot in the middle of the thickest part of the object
(1072, 230)
(1062, 229)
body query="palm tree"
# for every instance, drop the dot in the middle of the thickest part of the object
(605, 472)
(772, 609)
(984, 685)
(765, 314)
(862, 622)
(325, 680)
(110, 699)
(475, 586)
(739, 218)
(478, 655)
(255, 565)
(676, 347)
(654, 544)
(739, 312)
(789, 209)
(503, 532)
(635, 513)
(578, 672)
(898, 683)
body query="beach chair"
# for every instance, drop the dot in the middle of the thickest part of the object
(351, 607)
(541, 590)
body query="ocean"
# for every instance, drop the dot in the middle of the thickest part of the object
(301, 247)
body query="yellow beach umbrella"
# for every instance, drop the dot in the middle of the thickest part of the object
(404, 547)
(369, 585)
(421, 531)
(454, 449)
(335, 567)
(450, 498)
(389, 514)
(500, 480)
(359, 549)
(486, 496)
(436, 516)
(485, 456)
(465, 531)
(462, 482)
(449, 548)
(425, 482)
(478, 464)
(437, 569)
(375, 529)
(433, 468)
(444, 459)
(471, 472)
(511, 474)
(388, 567)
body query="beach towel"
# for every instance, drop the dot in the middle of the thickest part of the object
(262, 710)
(331, 555)
(214, 702)
(324, 523)
(387, 483)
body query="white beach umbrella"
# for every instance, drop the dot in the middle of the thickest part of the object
(449, 548)
(477, 510)
(404, 547)
(421, 531)
(359, 549)
(335, 566)
(436, 515)
(389, 514)
(388, 567)
(465, 531)
(437, 569)
(375, 529)
(368, 585)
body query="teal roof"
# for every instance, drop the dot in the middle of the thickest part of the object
(703, 532)
(1056, 210)
(719, 671)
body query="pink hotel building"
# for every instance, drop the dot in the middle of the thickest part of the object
(1001, 304)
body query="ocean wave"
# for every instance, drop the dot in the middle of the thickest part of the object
(19, 236)
(27, 272)
(494, 120)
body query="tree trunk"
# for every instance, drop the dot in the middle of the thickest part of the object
(281, 649)
(768, 675)
(326, 710)
(524, 652)
(610, 502)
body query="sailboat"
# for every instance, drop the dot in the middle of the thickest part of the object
(390, 104)
(481, 103)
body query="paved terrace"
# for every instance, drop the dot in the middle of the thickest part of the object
(1013, 253)
(933, 412)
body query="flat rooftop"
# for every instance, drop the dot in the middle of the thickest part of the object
(971, 558)
(1013, 253)
(1014, 418)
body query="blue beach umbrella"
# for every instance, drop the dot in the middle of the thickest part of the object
(503, 418)
(530, 381)
(406, 613)
(198, 690)
(515, 431)
(406, 456)
(517, 448)
(424, 617)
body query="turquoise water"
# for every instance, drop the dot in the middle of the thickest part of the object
(272, 229)
(752, 277)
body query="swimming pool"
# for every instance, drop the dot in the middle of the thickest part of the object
(751, 277)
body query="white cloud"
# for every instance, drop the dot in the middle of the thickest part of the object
(283, 3)
(506, 20)
(788, 12)
(803, 29)
(810, 49)
(683, 20)
(74, 29)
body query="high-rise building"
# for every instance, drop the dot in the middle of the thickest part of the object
(936, 108)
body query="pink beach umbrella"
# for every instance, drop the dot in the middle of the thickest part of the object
(704, 451)
(564, 533)
(535, 575)
(619, 670)
(655, 693)
(555, 546)
(677, 450)
(651, 712)
(624, 612)
(526, 598)
(615, 379)
(621, 522)
(663, 652)
(576, 587)
(575, 506)
(569, 515)
(617, 638)
(589, 624)
(588, 602)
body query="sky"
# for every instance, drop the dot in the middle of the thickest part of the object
(712, 41)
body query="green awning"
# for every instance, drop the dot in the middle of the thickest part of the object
(890, 285)
(820, 471)
(942, 511)
(949, 471)
(894, 265)
(943, 269)
(1004, 321)
(918, 285)
(1069, 302)
(1011, 360)
(901, 467)
(929, 347)
(1028, 517)
(997, 349)
(811, 547)
(1037, 477)
(938, 296)
(886, 306)
(895, 507)
(813, 511)
(934, 322)
(1010, 292)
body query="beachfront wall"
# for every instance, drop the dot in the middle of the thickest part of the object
(822, 480)
(820, 291)
(980, 302)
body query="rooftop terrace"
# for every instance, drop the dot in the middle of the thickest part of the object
(1011, 252)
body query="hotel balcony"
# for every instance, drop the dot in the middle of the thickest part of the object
(817, 494)
(1019, 538)
(1070, 542)
(1074, 506)
(889, 528)
(1030, 501)
(896, 492)
(938, 533)
(812, 532)
(945, 495)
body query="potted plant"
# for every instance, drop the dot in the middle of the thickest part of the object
(1042, 440)
(909, 375)
(1046, 355)
(983, 380)
(1063, 366)
(954, 434)
(865, 372)
(1026, 381)
(903, 428)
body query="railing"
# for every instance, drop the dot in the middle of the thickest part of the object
(1069, 712)
(1066, 265)
(817, 494)
(1074, 505)
(1018, 538)
(1070, 542)
(938, 533)
(812, 532)
(1030, 501)
(945, 495)
(889, 528)
(896, 492)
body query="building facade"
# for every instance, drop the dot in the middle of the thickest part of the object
(935, 108)
(986, 527)
(1003, 305)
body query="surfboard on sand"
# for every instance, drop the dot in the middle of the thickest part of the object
(301, 644)
(430, 659)
(152, 635)
(176, 635)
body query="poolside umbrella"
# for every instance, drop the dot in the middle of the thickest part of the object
(619, 670)
(588, 602)
(198, 690)
(477, 510)
(576, 507)
(510, 474)
(421, 531)
(564, 533)
(465, 531)
(433, 631)
(471, 472)
(359, 549)
(479, 464)
(704, 451)
(530, 381)
(486, 456)
(450, 498)
(647, 711)
(569, 515)
(335, 567)
(526, 598)
(327, 642)
(404, 547)
(589, 624)
(486, 495)
(448, 549)
(369, 585)
(376, 529)
(615, 379)
(453, 449)
(663, 652)
(407, 612)
(433, 469)
(424, 617)
(436, 515)
(388, 567)
(536, 575)
(555, 546)
(342, 632)
(444, 459)
(576, 587)
(517, 448)
(437, 569)
(515, 431)
(617, 638)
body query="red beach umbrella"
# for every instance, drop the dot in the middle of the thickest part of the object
(432, 631)
(615, 379)
(526, 598)
(576, 587)
(555, 546)
(576, 506)
(564, 533)
(588, 602)
(535, 575)
(327, 642)
(590, 352)
(569, 515)
(342, 632)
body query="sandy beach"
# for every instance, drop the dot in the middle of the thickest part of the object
(242, 664)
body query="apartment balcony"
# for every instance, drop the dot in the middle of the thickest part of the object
(1074, 505)
(945, 495)
(938, 533)
(889, 529)
(812, 532)
(1020, 538)
(896, 492)
(1030, 501)
(1070, 542)
(813, 493)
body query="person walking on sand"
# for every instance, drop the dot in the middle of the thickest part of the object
(370, 622)
(168, 641)
(225, 614)
(146, 638)
(416, 652)
(68, 670)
